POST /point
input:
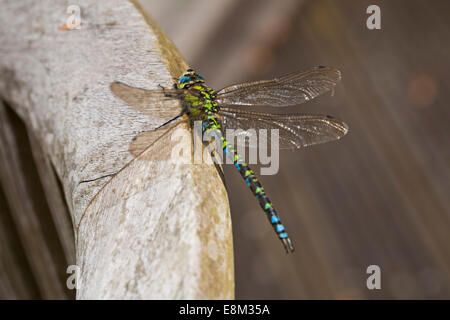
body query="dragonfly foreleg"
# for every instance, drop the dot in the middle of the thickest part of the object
(171, 120)
(173, 95)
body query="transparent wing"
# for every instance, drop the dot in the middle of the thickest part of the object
(295, 130)
(154, 103)
(146, 139)
(291, 89)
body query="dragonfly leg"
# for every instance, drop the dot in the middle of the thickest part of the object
(171, 120)
(168, 95)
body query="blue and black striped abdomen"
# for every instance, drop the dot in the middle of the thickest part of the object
(258, 190)
(264, 201)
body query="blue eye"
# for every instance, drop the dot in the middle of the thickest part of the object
(184, 79)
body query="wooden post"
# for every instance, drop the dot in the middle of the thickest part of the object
(146, 227)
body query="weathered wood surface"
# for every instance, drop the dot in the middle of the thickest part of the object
(150, 227)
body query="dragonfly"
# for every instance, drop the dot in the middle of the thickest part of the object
(229, 108)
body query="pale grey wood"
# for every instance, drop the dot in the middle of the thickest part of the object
(157, 229)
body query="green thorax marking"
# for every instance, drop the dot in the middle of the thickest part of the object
(203, 97)
(199, 97)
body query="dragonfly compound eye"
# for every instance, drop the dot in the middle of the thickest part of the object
(184, 79)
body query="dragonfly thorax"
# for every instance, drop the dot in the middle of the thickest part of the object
(199, 98)
(188, 78)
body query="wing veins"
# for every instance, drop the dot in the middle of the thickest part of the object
(298, 123)
(292, 89)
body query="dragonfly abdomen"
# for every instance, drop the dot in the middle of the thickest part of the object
(252, 181)
(258, 190)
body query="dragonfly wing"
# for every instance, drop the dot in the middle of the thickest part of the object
(294, 130)
(146, 139)
(154, 103)
(291, 89)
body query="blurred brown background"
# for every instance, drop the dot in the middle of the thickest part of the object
(378, 196)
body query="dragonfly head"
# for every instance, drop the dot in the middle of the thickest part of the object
(188, 78)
